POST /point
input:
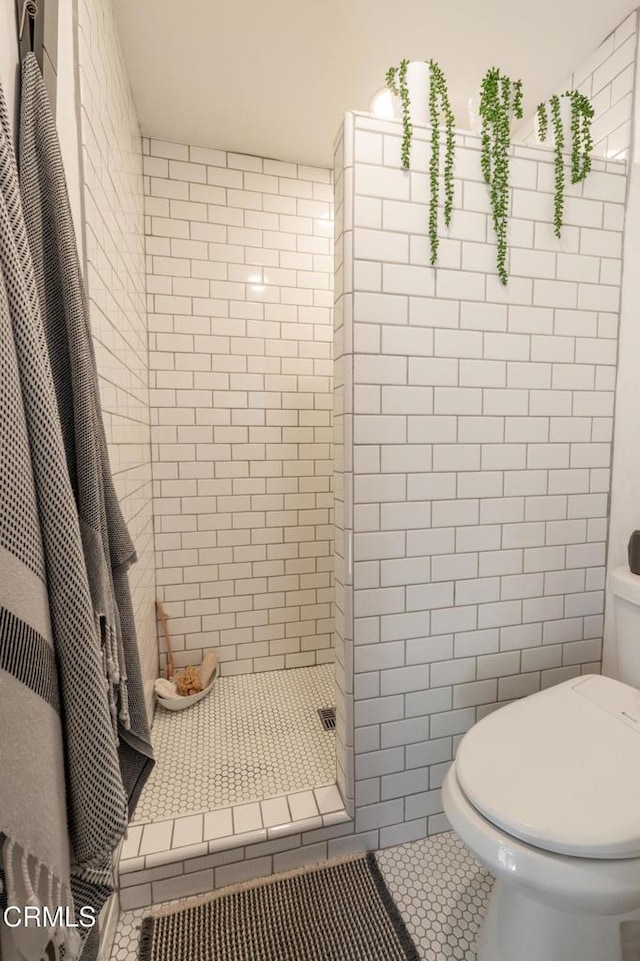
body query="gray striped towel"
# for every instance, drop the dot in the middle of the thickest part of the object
(63, 807)
(108, 549)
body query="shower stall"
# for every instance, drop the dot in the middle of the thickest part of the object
(239, 287)
(397, 508)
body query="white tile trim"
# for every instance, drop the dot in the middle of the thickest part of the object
(307, 804)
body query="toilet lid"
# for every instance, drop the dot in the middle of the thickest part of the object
(561, 769)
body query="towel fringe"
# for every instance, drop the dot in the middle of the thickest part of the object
(16, 864)
(114, 662)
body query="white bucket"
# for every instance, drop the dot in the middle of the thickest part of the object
(475, 120)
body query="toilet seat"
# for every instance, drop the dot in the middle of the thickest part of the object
(560, 770)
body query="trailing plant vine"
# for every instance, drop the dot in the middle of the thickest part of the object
(581, 139)
(500, 99)
(439, 96)
(439, 104)
(517, 99)
(558, 165)
(581, 145)
(396, 79)
(541, 114)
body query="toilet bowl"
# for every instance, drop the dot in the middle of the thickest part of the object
(546, 793)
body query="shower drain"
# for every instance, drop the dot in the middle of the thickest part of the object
(328, 718)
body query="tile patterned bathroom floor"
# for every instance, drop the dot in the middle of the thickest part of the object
(440, 889)
(255, 736)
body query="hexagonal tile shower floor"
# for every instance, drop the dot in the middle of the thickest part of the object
(255, 736)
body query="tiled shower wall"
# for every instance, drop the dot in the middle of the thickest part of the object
(114, 240)
(343, 472)
(482, 420)
(607, 78)
(239, 284)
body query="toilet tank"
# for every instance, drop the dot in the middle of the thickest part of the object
(625, 588)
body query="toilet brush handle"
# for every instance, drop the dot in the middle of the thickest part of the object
(167, 639)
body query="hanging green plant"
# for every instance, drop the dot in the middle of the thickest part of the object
(517, 99)
(581, 145)
(558, 165)
(439, 97)
(541, 113)
(500, 100)
(581, 139)
(396, 79)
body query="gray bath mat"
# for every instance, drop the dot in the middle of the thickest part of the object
(342, 912)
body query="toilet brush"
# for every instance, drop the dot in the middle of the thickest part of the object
(167, 639)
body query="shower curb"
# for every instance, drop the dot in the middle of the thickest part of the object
(183, 856)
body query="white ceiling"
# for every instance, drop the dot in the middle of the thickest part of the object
(273, 77)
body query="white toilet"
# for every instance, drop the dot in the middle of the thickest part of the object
(546, 793)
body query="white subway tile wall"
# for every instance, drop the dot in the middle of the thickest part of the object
(343, 460)
(473, 442)
(607, 78)
(115, 278)
(239, 282)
